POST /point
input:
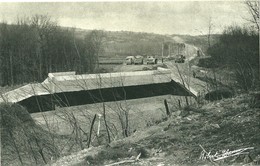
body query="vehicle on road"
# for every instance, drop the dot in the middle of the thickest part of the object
(129, 60)
(139, 59)
(151, 60)
(180, 59)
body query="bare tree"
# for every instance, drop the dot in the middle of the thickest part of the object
(94, 43)
(44, 27)
(253, 7)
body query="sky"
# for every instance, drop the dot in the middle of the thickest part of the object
(161, 17)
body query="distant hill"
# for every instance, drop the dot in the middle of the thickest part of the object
(125, 43)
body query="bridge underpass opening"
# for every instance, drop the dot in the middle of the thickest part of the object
(65, 99)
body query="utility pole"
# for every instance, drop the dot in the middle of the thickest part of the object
(162, 51)
(169, 47)
(178, 48)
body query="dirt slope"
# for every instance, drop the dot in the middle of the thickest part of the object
(229, 124)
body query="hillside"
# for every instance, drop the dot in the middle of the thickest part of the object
(224, 132)
(124, 43)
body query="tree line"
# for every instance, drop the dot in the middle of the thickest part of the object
(238, 50)
(34, 47)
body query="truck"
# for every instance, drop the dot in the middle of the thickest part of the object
(151, 60)
(180, 59)
(129, 60)
(139, 59)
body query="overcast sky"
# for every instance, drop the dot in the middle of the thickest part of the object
(179, 17)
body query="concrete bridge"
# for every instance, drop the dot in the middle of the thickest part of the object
(68, 89)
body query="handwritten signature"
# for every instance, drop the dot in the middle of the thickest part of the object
(222, 154)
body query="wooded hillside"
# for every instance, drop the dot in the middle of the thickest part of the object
(33, 47)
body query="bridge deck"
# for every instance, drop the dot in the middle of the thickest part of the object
(70, 82)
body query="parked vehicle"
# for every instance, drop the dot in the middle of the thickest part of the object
(139, 59)
(152, 60)
(180, 59)
(129, 60)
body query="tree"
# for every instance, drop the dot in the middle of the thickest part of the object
(45, 29)
(238, 48)
(253, 7)
(94, 46)
(34, 47)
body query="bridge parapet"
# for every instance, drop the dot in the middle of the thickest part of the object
(69, 82)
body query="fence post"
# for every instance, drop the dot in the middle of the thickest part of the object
(167, 108)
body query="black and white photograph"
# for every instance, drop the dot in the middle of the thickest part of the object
(138, 83)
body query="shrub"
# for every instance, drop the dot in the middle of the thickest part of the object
(207, 63)
(238, 48)
(219, 94)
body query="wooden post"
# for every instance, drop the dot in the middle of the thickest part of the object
(179, 103)
(98, 131)
(167, 108)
